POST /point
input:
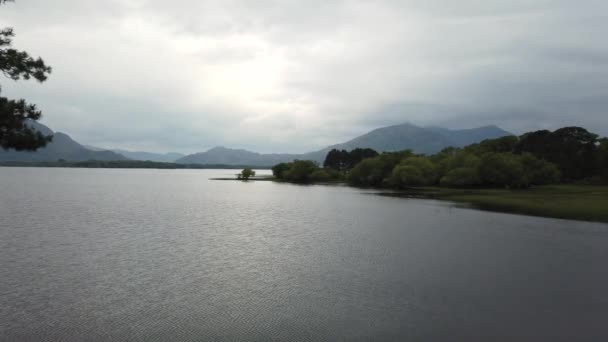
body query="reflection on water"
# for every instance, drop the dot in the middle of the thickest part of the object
(157, 255)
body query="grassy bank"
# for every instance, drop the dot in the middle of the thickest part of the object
(576, 202)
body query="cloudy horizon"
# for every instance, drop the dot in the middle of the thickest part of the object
(294, 76)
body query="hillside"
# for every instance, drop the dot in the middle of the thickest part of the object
(156, 157)
(62, 147)
(228, 156)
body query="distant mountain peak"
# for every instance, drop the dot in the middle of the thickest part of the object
(222, 148)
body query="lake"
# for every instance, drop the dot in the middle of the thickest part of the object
(169, 255)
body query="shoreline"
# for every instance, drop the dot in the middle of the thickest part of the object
(564, 201)
(567, 201)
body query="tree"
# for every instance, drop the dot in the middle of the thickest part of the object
(539, 171)
(358, 154)
(337, 159)
(461, 177)
(246, 174)
(301, 171)
(602, 158)
(502, 169)
(376, 171)
(342, 160)
(15, 114)
(279, 170)
(502, 144)
(304, 171)
(320, 175)
(462, 158)
(572, 149)
(414, 171)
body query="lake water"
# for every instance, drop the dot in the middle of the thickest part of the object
(169, 255)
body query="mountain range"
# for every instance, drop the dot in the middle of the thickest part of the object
(141, 155)
(425, 140)
(157, 157)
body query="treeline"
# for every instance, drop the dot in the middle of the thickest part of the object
(305, 171)
(568, 154)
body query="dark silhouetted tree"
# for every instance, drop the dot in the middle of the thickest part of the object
(358, 154)
(503, 144)
(15, 114)
(337, 160)
(342, 160)
(279, 170)
(502, 169)
(539, 171)
(602, 158)
(572, 149)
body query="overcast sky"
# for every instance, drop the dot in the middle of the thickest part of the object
(293, 76)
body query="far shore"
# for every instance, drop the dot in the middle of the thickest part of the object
(125, 164)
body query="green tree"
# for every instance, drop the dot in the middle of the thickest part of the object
(454, 158)
(463, 158)
(414, 171)
(320, 175)
(15, 114)
(461, 177)
(247, 173)
(502, 169)
(376, 171)
(443, 158)
(358, 154)
(300, 171)
(279, 170)
(538, 171)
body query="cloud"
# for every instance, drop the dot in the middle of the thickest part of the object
(292, 76)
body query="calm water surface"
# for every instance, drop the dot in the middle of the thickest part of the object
(159, 255)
